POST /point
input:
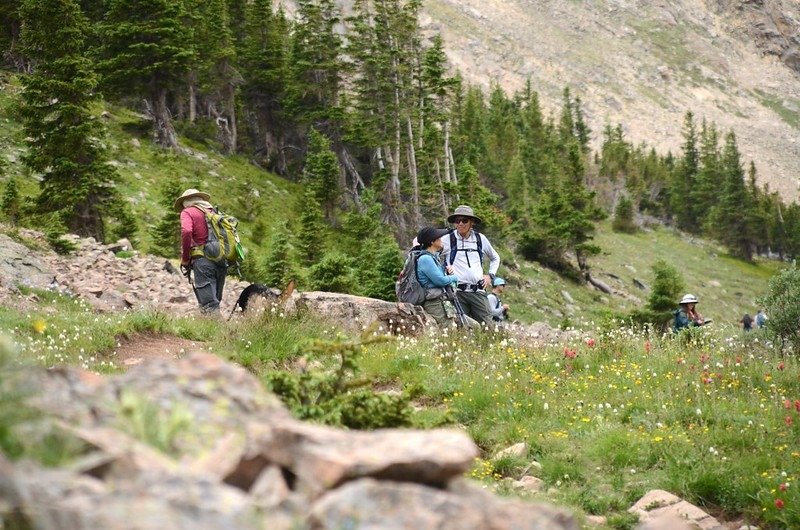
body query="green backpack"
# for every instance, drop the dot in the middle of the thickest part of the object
(223, 239)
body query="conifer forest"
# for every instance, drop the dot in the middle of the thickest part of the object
(362, 111)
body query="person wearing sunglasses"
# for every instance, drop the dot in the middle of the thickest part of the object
(464, 250)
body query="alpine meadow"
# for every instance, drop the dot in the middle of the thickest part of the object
(334, 132)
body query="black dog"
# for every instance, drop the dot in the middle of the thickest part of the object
(254, 289)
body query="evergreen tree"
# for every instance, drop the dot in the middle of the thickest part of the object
(731, 217)
(685, 178)
(146, 50)
(378, 266)
(668, 286)
(166, 233)
(334, 274)
(502, 137)
(264, 68)
(11, 205)
(65, 141)
(10, 26)
(311, 233)
(315, 71)
(321, 172)
(582, 130)
(277, 264)
(623, 216)
(709, 178)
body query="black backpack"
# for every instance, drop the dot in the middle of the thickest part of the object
(407, 287)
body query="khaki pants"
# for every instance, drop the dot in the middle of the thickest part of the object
(444, 313)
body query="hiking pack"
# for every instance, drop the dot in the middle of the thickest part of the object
(454, 250)
(223, 239)
(407, 287)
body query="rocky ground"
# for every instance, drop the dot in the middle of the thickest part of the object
(231, 456)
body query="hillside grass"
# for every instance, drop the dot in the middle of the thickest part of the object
(712, 415)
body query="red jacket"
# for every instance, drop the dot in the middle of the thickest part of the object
(194, 232)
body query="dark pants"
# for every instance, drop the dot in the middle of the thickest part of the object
(476, 305)
(209, 280)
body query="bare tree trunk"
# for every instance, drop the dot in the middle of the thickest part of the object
(441, 190)
(412, 170)
(379, 157)
(192, 103)
(454, 177)
(357, 183)
(230, 90)
(446, 151)
(164, 132)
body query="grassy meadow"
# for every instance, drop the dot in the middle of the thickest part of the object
(711, 416)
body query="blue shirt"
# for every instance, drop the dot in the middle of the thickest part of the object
(431, 273)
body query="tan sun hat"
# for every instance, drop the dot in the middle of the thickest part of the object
(463, 211)
(191, 192)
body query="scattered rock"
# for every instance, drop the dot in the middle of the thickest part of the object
(516, 450)
(659, 509)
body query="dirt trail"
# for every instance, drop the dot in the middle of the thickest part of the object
(138, 348)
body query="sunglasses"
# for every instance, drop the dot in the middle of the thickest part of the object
(461, 220)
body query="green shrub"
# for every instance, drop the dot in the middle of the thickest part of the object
(782, 304)
(337, 396)
(623, 217)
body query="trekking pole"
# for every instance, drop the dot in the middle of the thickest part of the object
(462, 318)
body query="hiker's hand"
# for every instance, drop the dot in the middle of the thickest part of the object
(449, 269)
(186, 270)
(487, 281)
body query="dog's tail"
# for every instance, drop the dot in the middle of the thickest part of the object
(287, 292)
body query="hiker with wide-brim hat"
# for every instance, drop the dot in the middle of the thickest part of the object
(464, 249)
(209, 276)
(686, 315)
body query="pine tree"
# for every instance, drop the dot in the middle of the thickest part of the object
(709, 178)
(10, 28)
(321, 172)
(11, 204)
(311, 232)
(146, 50)
(65, 141)
(334, 274)
(731, 217)
(667, 287)
(315, 71)
(378, 266)
(277, 264)
(623, 216)
(264, 68)
(685, 178)
(166, 233)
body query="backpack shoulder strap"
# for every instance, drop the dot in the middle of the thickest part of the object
(479, 239)
(453, 247)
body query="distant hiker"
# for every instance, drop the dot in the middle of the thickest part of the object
(433, 276)
(747, 322)
(464, 250)
(686, 315)
(496, 306)
(761, 318)
(209, 276)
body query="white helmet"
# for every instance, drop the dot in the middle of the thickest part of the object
(688, 299)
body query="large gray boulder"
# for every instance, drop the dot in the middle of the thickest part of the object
(242, 462)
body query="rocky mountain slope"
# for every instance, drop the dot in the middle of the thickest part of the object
(644, 63)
